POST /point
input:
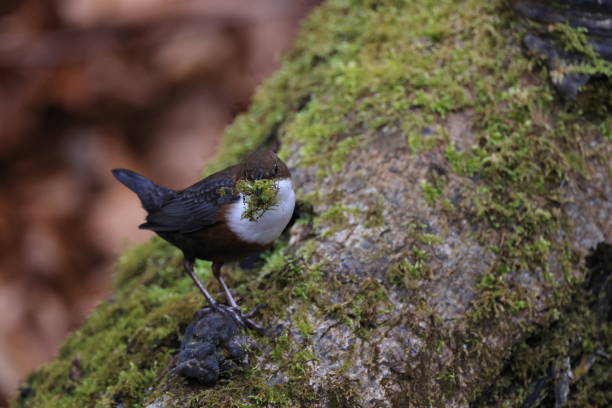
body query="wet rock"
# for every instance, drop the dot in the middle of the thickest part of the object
(569, 84)
(591, 17)
(212, 347)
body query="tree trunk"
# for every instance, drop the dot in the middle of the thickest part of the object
(447, 205)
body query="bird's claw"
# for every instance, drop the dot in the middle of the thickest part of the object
(255, 310)
(243, 319)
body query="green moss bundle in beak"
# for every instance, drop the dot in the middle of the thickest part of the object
(259, 196)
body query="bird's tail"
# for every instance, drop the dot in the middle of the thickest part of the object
(151, 195)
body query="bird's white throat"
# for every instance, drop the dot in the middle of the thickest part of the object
(267, 227)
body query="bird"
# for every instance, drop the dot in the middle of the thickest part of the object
(215, 220)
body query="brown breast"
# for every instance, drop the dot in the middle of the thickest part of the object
(218, 243)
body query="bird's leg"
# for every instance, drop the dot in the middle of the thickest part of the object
(216, 270)
(235, 312)
(243, 318)
(188, 265)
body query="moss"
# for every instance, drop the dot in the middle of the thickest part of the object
(289, 277)
(335, 218)
(606, 129)
(431, 192)
(575, 39)
(259, 196)
(141, 261)
(121, 350)
(579, 332)
(374, 214)
(409, 271)
(361, 308)
(302, 323)
(366, 309)
(344, 393)
(496, 299)
(443, 65)
(249, 390)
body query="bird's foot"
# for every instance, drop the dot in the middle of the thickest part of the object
(243, 319)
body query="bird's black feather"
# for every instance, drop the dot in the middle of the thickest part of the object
(195, 207)
(151, 195)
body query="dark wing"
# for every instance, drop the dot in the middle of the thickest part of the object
(196, 207)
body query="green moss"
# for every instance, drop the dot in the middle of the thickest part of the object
(496, 299)
(122, 348)
(431, 192)
(374, 214)
(289, 277)
(442, 65)
(606, 129)
(302, 323)
(143, 260)
(428, 239)
(361, 308)
(259, 196)
(251, 390)
(580, 333)
(410, 271)
(344, 393)
(368, 306)
(127, 344)
(335, 218)
(574, 39)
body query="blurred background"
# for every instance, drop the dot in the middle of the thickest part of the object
(89, 85)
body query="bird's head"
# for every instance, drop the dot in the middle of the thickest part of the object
(264, 164)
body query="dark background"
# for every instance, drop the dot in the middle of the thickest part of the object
(89, 85)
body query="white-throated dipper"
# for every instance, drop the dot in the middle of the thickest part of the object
(208, 219)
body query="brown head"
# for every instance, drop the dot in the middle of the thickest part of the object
(264, 164)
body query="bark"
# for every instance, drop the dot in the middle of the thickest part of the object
(447, 204)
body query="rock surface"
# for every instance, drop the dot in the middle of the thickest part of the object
(574, 38)
(212, 347)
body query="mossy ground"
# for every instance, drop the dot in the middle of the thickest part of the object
(108, 360)
(358, 66)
